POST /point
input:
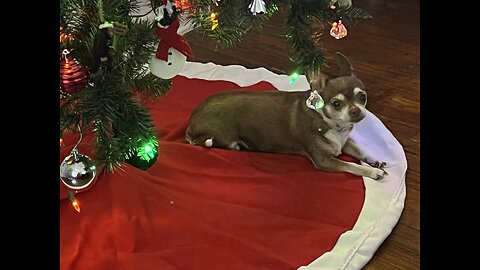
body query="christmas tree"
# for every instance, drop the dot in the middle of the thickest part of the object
(105, 51)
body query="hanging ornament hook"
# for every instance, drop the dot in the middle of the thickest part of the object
(74, 151)
(81, 136)
(65, 52)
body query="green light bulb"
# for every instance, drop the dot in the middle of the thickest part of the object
(293, 77)
(147, 151)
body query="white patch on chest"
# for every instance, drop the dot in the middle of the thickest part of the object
(338, 138)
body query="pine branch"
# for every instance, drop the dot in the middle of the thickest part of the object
(149, 85)
(354, 13)
(234, 20)
(119, 120)
(304, 53)
(106, 106)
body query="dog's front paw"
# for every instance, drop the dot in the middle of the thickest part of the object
(375, 163)
(377, 174)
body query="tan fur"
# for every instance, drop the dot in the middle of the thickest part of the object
(280, 122)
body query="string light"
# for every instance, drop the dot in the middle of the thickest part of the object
(293, 77)
(182, 4)
(148, 150)
(65, 37)
(75, 203)
(213, 18)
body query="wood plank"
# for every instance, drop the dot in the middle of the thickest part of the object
(398, 253)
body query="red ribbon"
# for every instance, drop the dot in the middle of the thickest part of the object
(170, 38)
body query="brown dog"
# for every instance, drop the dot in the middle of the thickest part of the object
(314, 123)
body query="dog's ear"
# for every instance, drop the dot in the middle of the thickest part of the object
(346, 68)
(317, 79)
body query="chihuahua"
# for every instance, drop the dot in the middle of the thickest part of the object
(315, 123)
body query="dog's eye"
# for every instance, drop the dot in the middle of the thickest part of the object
(336, 104)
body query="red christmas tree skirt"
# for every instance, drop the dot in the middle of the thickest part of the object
(198, 208)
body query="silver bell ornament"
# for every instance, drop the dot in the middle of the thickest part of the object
(77, 171)
(257, 7)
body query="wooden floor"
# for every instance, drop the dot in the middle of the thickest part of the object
(385, 53)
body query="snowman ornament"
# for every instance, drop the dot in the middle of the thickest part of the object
(173, 50)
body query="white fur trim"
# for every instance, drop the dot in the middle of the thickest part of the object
(242, 76)
(384, 200)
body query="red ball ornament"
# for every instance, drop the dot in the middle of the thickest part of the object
(73, 76)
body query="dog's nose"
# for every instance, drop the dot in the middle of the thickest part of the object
(354, 112)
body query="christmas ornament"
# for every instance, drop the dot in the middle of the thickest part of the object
(73, 77)
(257, 6)
(77, 171)
(340, 3)
(145, 155)
(338, 30)
(315, 101)
(101, 47)
(173, 49)
(214, 20)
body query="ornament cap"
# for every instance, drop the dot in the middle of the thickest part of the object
(106, 25)
(74, 154)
